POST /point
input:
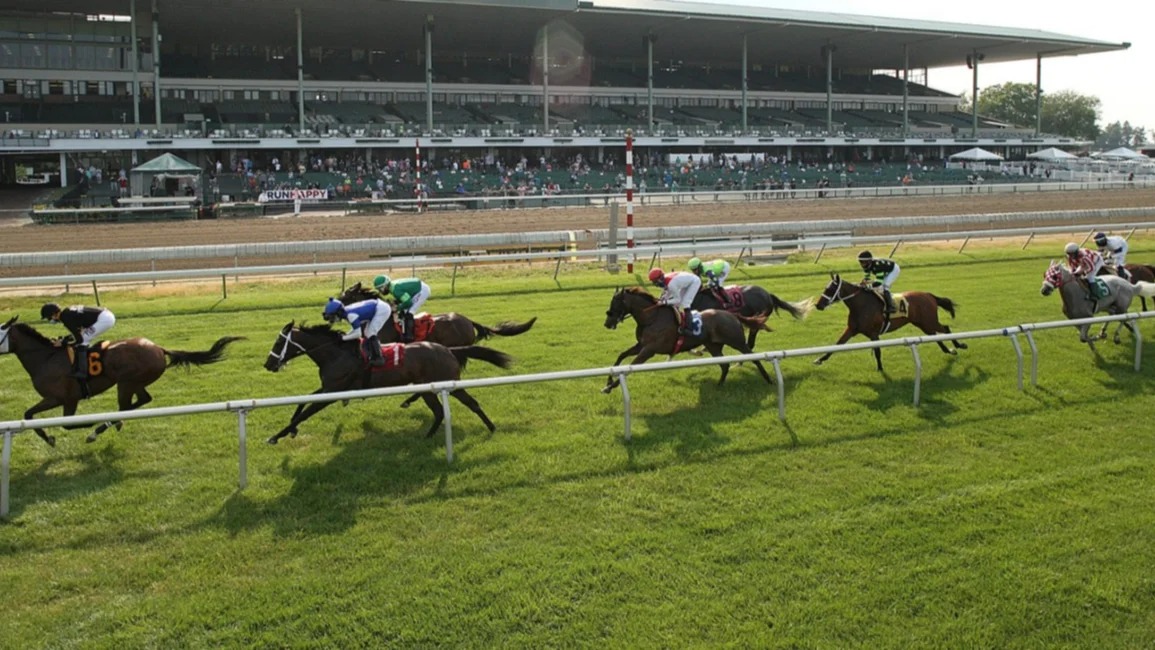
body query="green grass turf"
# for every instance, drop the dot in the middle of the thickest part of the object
(985, 518)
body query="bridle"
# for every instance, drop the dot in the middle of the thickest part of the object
(835, 291)
(7, 330)
(281, 356)
(622, 314)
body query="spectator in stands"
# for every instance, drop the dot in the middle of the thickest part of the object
(880, 274)
(678, 290)
(84, 324)
(410, 294)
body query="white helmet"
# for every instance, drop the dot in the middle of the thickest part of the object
(1072, 248)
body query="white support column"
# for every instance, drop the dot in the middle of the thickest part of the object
(1038, 95)
(156, 62)
(429, 73)
(545, 80)
(828, 51)
(745, 85)
(974, 61)
(650, 83)
(300, 75)
(905, 90)
(135, 64)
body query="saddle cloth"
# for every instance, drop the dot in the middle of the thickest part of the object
(95, 361)
(393, 353)
(735, 299)
(422, 326)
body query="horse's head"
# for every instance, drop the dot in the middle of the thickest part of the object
(617, 311)
(284, 348)
(1053, 278)
(356, 293)
(5, 331)
(832, 293)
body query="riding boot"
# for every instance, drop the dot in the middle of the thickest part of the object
(686, 325)
(373, 347)
(410, 333)
(80, 361)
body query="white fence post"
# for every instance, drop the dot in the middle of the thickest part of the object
(1034, 358)
(1018, 357)
(243, 453)
(626, 403)
(5, 459)
(917, 371)
(448, 425)
(781, 389)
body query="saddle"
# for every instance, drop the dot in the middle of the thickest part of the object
(95, 360)
(1098, 288)
(901, 307)
(732, 297)
(393, 353)
(422, 326)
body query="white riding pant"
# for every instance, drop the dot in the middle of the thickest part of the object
(682, 289)
(384, 311)
(720, 279)
(104, 322)
(420, 298)
(890, 278)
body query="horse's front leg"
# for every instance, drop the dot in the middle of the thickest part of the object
(300, 416)
(612, 382)
(846, 336)
(44, 405)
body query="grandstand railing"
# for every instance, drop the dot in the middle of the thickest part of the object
(443, 389)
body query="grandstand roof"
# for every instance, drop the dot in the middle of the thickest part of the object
(693, 32)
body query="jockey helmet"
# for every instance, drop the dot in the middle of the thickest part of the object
(695, 263)
(1072, 248)
(656, 275)
(333, 310)
(381, 283)
(865, 256)
(1101, 238)
(49, 310)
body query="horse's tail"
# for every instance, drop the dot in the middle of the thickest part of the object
(1150, 269)
(488, 355)
(755, 322)
(212, 355)
(798, 310)
(946, 303)
(508, 328)
(1145, 289)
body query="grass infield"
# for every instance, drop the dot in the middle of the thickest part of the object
(985, 518)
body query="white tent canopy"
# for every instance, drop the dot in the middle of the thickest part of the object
(1121, 153)
(977, 154)
(1051, 154)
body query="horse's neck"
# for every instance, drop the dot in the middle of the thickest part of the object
(323, 350)
(643, 311)
(31, 353)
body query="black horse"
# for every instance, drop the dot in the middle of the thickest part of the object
(343, 368)
(751, 300)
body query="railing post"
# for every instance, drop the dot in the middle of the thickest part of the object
(1034, 358)
(444, 394)
(1018, 356)
(895, 249)
(1027, 243)
(96, 292)
(917, 371)
(820, 251)
(626, 403)
(964, 244)
(243, 448)
(1138, 344)
(781, 389)
(453, 281)
(5, 459)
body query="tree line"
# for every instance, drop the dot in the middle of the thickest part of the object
(1066, 113)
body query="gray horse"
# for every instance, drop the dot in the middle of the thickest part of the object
(1077, 304)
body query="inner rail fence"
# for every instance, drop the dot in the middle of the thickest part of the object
(9, 429)
(749, 245)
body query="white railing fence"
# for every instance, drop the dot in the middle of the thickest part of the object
(443, 389)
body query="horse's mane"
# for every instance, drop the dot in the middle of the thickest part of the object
(356, 293)
(320, 329)
(640, 292)
(33, 334)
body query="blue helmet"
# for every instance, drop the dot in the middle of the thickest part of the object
(1101, 238)
(333, 310)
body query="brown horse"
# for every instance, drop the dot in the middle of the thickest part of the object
(342, 368)
(130, 365)
(1138, 272)
(657, 330)
(753, 301)
(450, 330)
(866, 315)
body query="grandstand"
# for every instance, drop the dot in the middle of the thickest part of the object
(490, 78)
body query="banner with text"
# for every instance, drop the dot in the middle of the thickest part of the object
(275, 196)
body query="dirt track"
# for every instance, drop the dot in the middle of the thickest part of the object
(30, 238)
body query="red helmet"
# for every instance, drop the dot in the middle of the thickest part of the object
(656, 274)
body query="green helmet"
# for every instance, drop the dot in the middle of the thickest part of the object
(381, 283)
(695, 264)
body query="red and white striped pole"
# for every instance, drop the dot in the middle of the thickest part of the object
(630, 197)
(417, 189)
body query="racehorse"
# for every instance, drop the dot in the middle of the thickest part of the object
(1138, 273)
(753, 301)
(342, 368)
(1077, 303)
(131, 365)
(451, 329)
(866, 315)
(657, 330)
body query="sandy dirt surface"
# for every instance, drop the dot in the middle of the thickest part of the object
(28, 237)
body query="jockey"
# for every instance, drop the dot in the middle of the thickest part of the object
(678, 291)
(1085, 264)
(410, 294)
(1114, 248)
(884, 273)
(716, 272)
(367, 317)
(84, 324)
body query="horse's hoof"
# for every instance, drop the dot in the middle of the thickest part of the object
(404, 405)
(818, 362)
(272, 441)
(91, 438)
(293, 433)
(51, 441)
(953, 353)
(119, 426)
(961, 346)
(344, 402)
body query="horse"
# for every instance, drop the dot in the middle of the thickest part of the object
(657, 331)
(1137, 272)
(451, 329)
(866, 315)
(754, 301)
(131, 365)
(1077, 304)
(343, 368)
